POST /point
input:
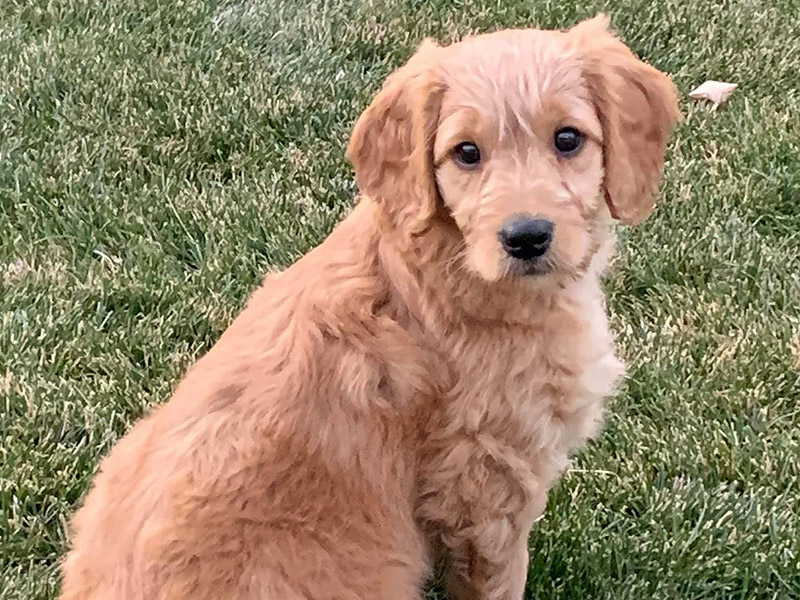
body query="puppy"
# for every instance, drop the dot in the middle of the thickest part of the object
(416, 383)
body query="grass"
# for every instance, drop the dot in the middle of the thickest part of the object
(157, 158)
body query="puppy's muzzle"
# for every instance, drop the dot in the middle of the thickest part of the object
(526, 237)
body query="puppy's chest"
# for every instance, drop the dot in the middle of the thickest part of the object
(539, 392)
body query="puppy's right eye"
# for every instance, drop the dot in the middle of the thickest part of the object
(568, 141)
(467, 155)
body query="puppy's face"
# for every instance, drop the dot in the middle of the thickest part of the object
(529, 140)
(518, 154)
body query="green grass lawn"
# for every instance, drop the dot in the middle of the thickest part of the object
(158, 158)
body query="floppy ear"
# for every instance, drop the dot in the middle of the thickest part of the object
(392, 144)
(637, 106)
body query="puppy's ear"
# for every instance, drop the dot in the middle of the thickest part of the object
(392, 143)
(637, 106)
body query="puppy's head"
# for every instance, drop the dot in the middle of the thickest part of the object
(529, 140)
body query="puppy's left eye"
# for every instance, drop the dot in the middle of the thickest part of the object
(568, 141)
(467, 155)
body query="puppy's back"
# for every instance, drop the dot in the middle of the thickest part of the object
(275, 459)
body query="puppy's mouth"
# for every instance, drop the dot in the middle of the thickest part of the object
(530, 267)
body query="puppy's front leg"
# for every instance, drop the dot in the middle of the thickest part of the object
(480, 510)
(485, 565)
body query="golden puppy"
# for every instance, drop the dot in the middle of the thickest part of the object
(416, 383)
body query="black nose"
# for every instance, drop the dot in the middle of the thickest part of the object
(526, 237)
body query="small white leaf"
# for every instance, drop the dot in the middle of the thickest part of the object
(716, 91)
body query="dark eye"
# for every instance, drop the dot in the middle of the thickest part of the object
(467, 154)
(568, 141)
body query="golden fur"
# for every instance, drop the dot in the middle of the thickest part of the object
(401, 391)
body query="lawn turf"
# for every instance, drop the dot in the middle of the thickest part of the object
(158, 158)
